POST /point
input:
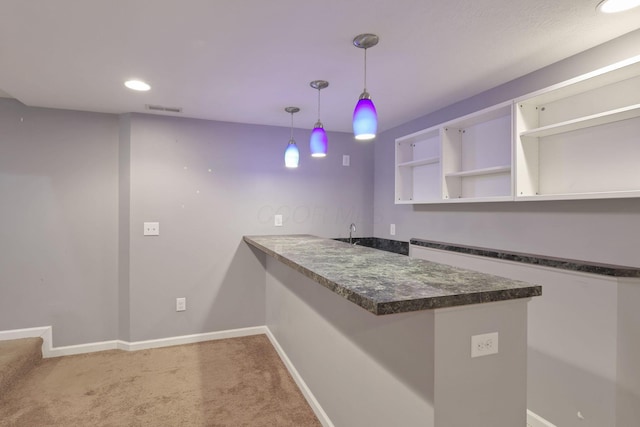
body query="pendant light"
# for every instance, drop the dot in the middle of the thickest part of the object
(291, 154)
(318, 141)
(365, 117)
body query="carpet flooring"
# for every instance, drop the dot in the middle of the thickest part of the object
(231, 382)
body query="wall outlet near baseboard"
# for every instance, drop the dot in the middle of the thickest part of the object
(277, 220)
(181, 304)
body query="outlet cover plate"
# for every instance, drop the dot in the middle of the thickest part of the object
(151, 228)
(484, 345)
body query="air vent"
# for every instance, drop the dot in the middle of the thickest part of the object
(162, 108)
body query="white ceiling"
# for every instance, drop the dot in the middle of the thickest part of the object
(245, 60)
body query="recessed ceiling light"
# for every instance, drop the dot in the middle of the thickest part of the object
(137, 85)
(613, 6)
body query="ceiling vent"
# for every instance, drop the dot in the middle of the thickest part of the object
(164, 109)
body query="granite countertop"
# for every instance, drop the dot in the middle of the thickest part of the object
(383, 282)
(543, 261)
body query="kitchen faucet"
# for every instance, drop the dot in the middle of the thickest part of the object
(352, 229)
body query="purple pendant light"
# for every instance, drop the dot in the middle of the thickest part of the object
(291, 154)
(318, 141)
(365, 117)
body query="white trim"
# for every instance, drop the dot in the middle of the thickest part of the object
(534, 420)
(48, 350)
(43, 332)
(190, 339)
(71, 350)
(306, 391)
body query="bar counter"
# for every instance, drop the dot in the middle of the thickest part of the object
(386, 283)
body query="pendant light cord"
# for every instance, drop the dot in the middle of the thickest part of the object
(365, 70)
(318, 104)
(291, 127)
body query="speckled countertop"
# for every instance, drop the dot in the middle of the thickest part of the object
(544, 261)
(383, 282)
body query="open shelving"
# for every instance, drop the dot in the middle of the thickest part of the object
(580, 140)
(418, 167)
(574, 140)
(477, 156)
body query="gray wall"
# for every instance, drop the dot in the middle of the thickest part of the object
(209, 183)
(598, 230)
(75, 189)
(59, 222)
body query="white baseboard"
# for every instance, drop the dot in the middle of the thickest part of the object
(534, 420)
(306, 391)
(43, 332)
(48, 350)
(190, 339)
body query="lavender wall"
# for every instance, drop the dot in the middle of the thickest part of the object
(59, 222)
(75, 189)
(210, 183)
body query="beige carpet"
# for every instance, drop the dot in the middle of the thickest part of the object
(232, 382)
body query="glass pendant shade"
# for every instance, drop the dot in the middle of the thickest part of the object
(318, 141)
(365, 116)
(365, 119)
(291, 155)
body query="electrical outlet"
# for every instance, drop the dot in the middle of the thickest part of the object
(277, 220)
(392, 229)
(151, 229)
(484, 345)
(181, 304)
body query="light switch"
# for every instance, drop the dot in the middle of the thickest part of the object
(151, 228)
(346, 160)
(278, 220)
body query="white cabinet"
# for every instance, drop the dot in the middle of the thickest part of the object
(418, 176)
(464, 160)
(476, 156)
(579, 139)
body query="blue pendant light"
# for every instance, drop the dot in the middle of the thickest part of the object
(365, 117)
(318, 142)
(291, 154)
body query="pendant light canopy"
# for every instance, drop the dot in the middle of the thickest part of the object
(318, 141)
(365, 117)
(291, 154)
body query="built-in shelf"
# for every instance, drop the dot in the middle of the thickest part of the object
(624, 113)
(421, 162)
(485, 199)
(574, 140)
(582, 196)
(483, 171)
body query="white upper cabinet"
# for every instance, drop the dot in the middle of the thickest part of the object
(579, 139)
